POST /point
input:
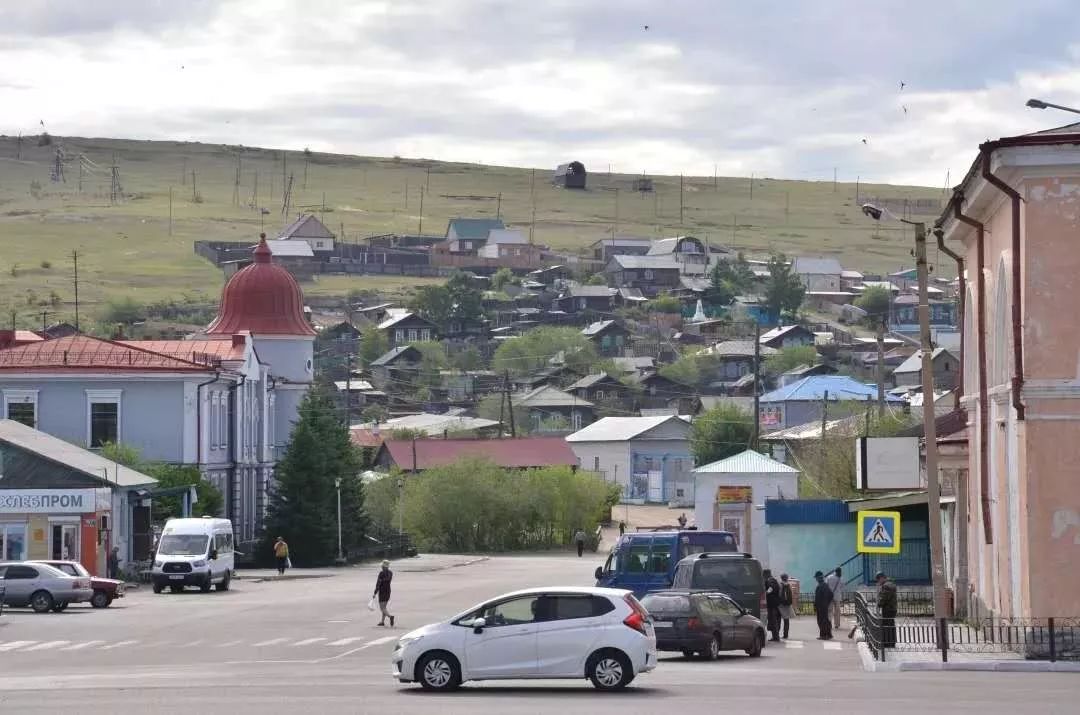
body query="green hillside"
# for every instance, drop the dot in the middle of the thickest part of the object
(125, 249)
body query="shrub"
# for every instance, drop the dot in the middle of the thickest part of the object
(46, 265)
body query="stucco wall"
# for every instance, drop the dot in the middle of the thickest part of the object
(765, 486)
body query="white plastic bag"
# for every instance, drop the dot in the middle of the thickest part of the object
(288, 562)
(371, 604)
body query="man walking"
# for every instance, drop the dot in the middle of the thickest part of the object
(113, 563)
(787, 600)
(836, 585)
(682, 520)
(579, 539)
(886, 598)
(382, 591)
(822, 599)
(772, 604)
(281, 554)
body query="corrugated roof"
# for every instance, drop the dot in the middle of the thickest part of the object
(807, 511)
(634, 364)
(473, 228)
(597, 327)
(580, 291)
(845, 426)
(82, 460)
(619, 429)
(398, 317)
(521, 453)
(748, 462)
(290, 249)
(589, 381)
(391, 356)
(839, 387)
(548, 396)
(737, 348)
(191, 350)
(82, 352)
(353, 385)
(778, 331)
(437, 425)
(650, 262)
(307, 226)
(914, 363)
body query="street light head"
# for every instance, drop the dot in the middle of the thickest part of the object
(1036, 104)
(872, 211)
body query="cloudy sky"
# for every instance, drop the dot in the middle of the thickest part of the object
(751, 87)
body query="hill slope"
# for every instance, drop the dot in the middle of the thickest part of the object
(126, 249)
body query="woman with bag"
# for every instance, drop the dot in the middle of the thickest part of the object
(281, 554)
(787, 612)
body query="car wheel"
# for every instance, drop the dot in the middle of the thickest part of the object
(754, 651)
(158, 588)
(224, 585)
(100, 599)
(176, 589)
(610, 670)
(206, 585)
(41, 601)
(713, 651)
(59, 606)
(438, 671)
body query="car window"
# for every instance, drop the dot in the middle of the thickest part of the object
(723, 606)
(636, 558)
(660, 559)
(182, 545)
(563, 608)
(18, 572)
(516, 611)
(67, 568)
(666, 603)
(728, 575)
(682, 576)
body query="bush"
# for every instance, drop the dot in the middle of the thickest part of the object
(46, 265)
(44, 139)
(123, 310)
(664, 304)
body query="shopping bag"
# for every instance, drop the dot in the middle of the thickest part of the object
(371, 604)
(288, 562)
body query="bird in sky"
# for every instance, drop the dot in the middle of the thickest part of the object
(904, 107)
(864, 141)
(646, 28)
(902, 83)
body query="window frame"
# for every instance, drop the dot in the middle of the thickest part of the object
(103, 397)
(21, 397)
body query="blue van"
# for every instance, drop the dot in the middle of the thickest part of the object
(645, 561)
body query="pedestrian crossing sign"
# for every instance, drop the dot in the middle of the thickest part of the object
(879, 532)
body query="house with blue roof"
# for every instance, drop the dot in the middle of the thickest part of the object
(805, 400)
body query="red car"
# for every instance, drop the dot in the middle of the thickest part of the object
(105, 589)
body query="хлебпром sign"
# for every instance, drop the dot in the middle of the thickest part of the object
(47, 501)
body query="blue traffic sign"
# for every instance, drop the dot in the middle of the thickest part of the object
(879, 532)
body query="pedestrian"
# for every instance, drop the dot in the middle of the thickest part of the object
(787, 601)
(382, 591)
(281, 554)
(682, 520)
(579, 539)
(113, 563)
(836, 585)
(822, 599)
(772, 604)
(886, 599)
(622, 528)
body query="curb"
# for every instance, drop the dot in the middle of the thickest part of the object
(983, 666)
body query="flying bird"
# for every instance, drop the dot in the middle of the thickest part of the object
(864, 141)
(904, 107)
(646, 28)
(902, 83)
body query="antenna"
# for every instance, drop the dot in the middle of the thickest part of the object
(236, 182)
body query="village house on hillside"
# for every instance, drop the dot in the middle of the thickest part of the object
(946, 369)
(606, 248)
(521, 453)
(404, 327)
(468, 235)
(803, 401)
(582, 298)
(397, 366)
(609, 336)
(687, 251)
(309, 229)
(551, 410)
(649, 274)
(818, 274)
(787, 336)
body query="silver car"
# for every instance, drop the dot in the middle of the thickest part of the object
(42, 587)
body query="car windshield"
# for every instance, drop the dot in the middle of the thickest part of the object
(182, 545)
(728, 575)
(666, 603)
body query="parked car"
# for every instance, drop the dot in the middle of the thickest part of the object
(737, 575)
(645, 561)
(602, 634)
(703, 622)
(105, 589)
(42, 587)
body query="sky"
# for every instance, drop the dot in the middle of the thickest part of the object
(784, 89)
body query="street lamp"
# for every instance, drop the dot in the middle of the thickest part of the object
(933, 487)
(340, 553)
(1039, 104)
(401, 506)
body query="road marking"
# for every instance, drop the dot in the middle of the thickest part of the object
(192, 644)
(121, 644)
(12, 645)
(272, 641)
(380, 641)
(80, 646)
(308, 641)
(48, 645)
(830, 645)
(230, 644)
(337, 621)
(347, 641)
(793, 644)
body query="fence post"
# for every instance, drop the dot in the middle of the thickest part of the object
(1053, 644)
(944, 639)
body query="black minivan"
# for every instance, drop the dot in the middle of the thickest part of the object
(737, 575)
(702, 622)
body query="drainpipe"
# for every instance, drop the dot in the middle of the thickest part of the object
(980, 332)
(230, 500)
(1018, 348)
(940, 235)
(198, 415)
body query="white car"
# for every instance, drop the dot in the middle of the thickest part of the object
(602, 634)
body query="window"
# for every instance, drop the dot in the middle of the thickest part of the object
(13, 542)
(17, 572)
(575, 420)
(724, 606)
(412, 335)
(399, 335)
(223, 543)
(568, 607)
(596, 464)
(21, 406)
(102, 417)
(425, 334)
(599, 395)
(514, 612)
(636, 559)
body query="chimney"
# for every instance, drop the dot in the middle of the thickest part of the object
(7, 338)
(239, 339)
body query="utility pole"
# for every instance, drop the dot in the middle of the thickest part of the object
(18, 148)
(532, 223)
(183, 173)
(532, 186)
(857, 179)
(834, 179)
(170, 209)
(757, 391)
(349, 388)
(881, 367)
(751, 187)
(255, 190)
(427, 180)
(420, 226)
(498, 205)
(824, 419)
(44, 321)
(933, 486)
(714, 184)
(680, 199)
(787, 205)
(75, 258)
(194, 190)
(510, 406)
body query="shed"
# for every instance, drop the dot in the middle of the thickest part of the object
(570, 175)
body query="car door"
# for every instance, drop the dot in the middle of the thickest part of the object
(20, 581)
(634, 565)
(738, 627)
(660, 562)
(568, 629)
(506, 646)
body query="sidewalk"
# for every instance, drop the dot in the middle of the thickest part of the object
(959, 660)
(417, 564)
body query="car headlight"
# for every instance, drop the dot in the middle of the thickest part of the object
(407, 640)
(157, 564)
(199, 564)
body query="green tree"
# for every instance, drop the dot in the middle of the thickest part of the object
(722, 289)
(209, 501)
(664, 304)
(123, 310)
(467, 359)
(303, 502)
(783, 290)
(535, 349)
(373, 345)
(502, 278)
(723, 431)
(433, 361)
(596, 279)
(828, 466)
(457, 300)
(875, 300)
(789, 359)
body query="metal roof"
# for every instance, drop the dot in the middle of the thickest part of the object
(748, 462)
(590, 380)
(521, 453)
(290, 249)
(82, 352)
(738, 348)
(548, 396)
(620, 429)
(596, 328)
(392, 355)
(839, 387)
(308, 226)
(914, 363)
(474, 228)
(653, 262)
(436, 425)
(81, 460)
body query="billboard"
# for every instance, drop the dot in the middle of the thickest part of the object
(887, 463)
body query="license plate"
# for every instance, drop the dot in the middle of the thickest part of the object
(662, 624)
(178, 577)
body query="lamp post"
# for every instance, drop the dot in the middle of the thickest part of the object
(1039, 104)
(933, 486)
(401, 506)
(340, 553)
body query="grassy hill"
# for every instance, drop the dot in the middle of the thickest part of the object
(126, 249)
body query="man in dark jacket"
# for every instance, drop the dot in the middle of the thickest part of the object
(772, 604)
(822, 598)
(886, 598)
(382, 591)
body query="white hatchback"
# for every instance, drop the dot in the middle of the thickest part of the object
(602, 634)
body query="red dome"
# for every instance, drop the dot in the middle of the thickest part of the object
(262, 298)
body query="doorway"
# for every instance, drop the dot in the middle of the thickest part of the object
(64, 542)
(13, 542)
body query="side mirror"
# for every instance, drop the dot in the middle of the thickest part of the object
(213, 554)
(599, 572)
(478, 625)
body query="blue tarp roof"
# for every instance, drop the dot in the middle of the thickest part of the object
(839, 387)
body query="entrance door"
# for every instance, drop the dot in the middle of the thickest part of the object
(734, 524)
(141, 533)
(13, 542)
(65, 542)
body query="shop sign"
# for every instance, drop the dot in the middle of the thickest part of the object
(734, 495)
(47, 501)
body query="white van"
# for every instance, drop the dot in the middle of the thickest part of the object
(194, 552)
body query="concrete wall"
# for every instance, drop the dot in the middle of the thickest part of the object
(765, 486)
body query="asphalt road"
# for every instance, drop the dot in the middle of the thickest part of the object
(311, 646)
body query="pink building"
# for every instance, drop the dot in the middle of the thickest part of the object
(1017, 216)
